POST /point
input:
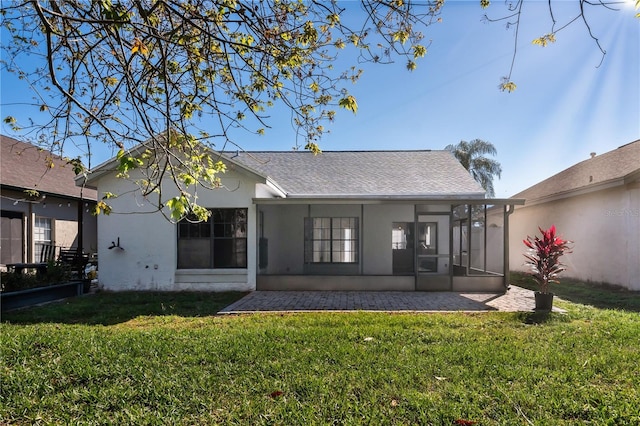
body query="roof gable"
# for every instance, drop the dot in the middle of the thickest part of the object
(25, 166)
(596, 171)
(363, 173)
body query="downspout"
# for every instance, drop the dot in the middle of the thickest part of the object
(508, 210)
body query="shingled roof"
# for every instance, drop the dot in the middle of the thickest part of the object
(363, 173)
(24, 166)
(589, 174)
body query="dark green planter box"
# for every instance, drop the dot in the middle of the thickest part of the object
(34, 296)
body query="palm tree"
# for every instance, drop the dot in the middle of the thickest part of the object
(471, 156)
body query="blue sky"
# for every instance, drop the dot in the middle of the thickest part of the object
(565, 106)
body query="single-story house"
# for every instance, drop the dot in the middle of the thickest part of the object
(41, 204)
(369, 220)
(596, 204)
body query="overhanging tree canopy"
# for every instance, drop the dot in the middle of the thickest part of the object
(126, 72)
(174, 77)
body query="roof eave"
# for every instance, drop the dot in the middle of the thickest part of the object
(110, 166)
(51, 193)
(389, 200)
(600, 186)
(391, 196)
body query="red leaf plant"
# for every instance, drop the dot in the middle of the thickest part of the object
(543, 257)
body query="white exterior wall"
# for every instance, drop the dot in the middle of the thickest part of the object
(376, 230)
(605, 228)
(149, 240)
(284, 231)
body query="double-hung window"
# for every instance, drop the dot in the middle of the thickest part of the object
(42, 235)
(220, 242)
(331, 240)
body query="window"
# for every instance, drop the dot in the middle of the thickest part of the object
(220, 242)
(331, 240)
(41, 235)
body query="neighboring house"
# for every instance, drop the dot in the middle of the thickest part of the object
(41, 205)
(384, 220)
(596, 204)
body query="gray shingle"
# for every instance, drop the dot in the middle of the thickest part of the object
(363, 173)
(602, 168)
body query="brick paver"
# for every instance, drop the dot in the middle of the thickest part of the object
(516, 299)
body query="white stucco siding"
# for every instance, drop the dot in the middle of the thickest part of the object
(146, 257)
(632, 218)
(376, 229)
(284, 231)
(149, 240)
(604, 226)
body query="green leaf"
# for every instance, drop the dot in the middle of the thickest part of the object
(32, 193)
(187, 179)
(101, 207)
(508, 86)
(545, 40)
(401, 36)
(419, 51)
(127, 163)
(177, 206)
(313, 147)
(201, 213)
(349, 103)
(77, 165)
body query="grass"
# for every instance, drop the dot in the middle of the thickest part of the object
(166, 359)
(587, 293)
(110, 308)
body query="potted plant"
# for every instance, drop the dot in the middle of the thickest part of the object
(543, 258)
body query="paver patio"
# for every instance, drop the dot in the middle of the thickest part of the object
(516, 299)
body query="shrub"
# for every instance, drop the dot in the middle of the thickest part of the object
(55, 274)
(543, 257)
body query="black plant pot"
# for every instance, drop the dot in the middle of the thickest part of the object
(544, 301)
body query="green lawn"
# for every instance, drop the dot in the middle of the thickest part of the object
(167, 359)
(595, 294)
